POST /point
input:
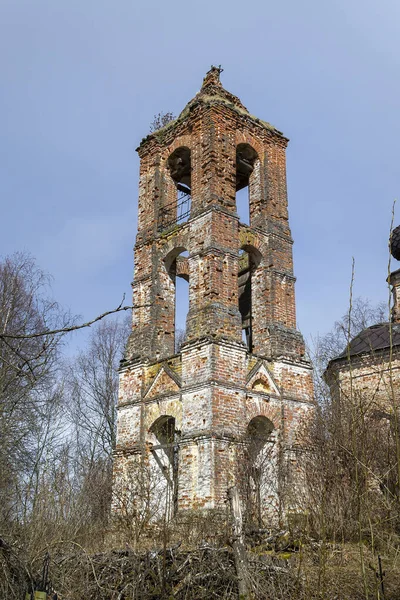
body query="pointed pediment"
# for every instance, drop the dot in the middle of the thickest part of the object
(260, 379)
(165, 381)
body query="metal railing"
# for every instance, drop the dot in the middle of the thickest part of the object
(175, 212)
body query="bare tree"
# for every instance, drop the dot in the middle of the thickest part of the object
(50, 480)
(93, 387)
(180, 337)
(28, 381)
(326, 347)
(351, 471)
(91, 402)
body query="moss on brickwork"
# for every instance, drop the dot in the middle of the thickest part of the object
(170, 232)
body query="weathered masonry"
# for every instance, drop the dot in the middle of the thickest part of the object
(241, 378)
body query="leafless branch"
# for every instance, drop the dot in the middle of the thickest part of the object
(70, 328)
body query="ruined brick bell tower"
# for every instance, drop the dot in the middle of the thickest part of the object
(241, 374)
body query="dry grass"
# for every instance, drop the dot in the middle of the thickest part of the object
(307, 570)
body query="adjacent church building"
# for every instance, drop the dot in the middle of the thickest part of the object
(227, 404)
(368, 369)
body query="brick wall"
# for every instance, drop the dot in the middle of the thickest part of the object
(373, 376)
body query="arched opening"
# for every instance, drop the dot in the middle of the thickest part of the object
(249, 259)
(259, 431)
(246, 157)
(179, 165)
(181, 299)
(177, 265)
(261, 469)
(180, 169)
(165, 451)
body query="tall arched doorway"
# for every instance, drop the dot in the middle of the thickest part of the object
(164, 448)
(261, 470)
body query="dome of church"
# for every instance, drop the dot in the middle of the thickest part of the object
(395, 243)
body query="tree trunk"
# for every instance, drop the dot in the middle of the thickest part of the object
(239, 548)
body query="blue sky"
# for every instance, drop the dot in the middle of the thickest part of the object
(82, 79)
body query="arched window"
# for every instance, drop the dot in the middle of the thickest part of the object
(177, 210)
(176, 263)
(181, 298)
(249, 259)
(246, 157)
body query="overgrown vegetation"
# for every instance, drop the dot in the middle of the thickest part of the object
(160, 120)
(341, 539)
